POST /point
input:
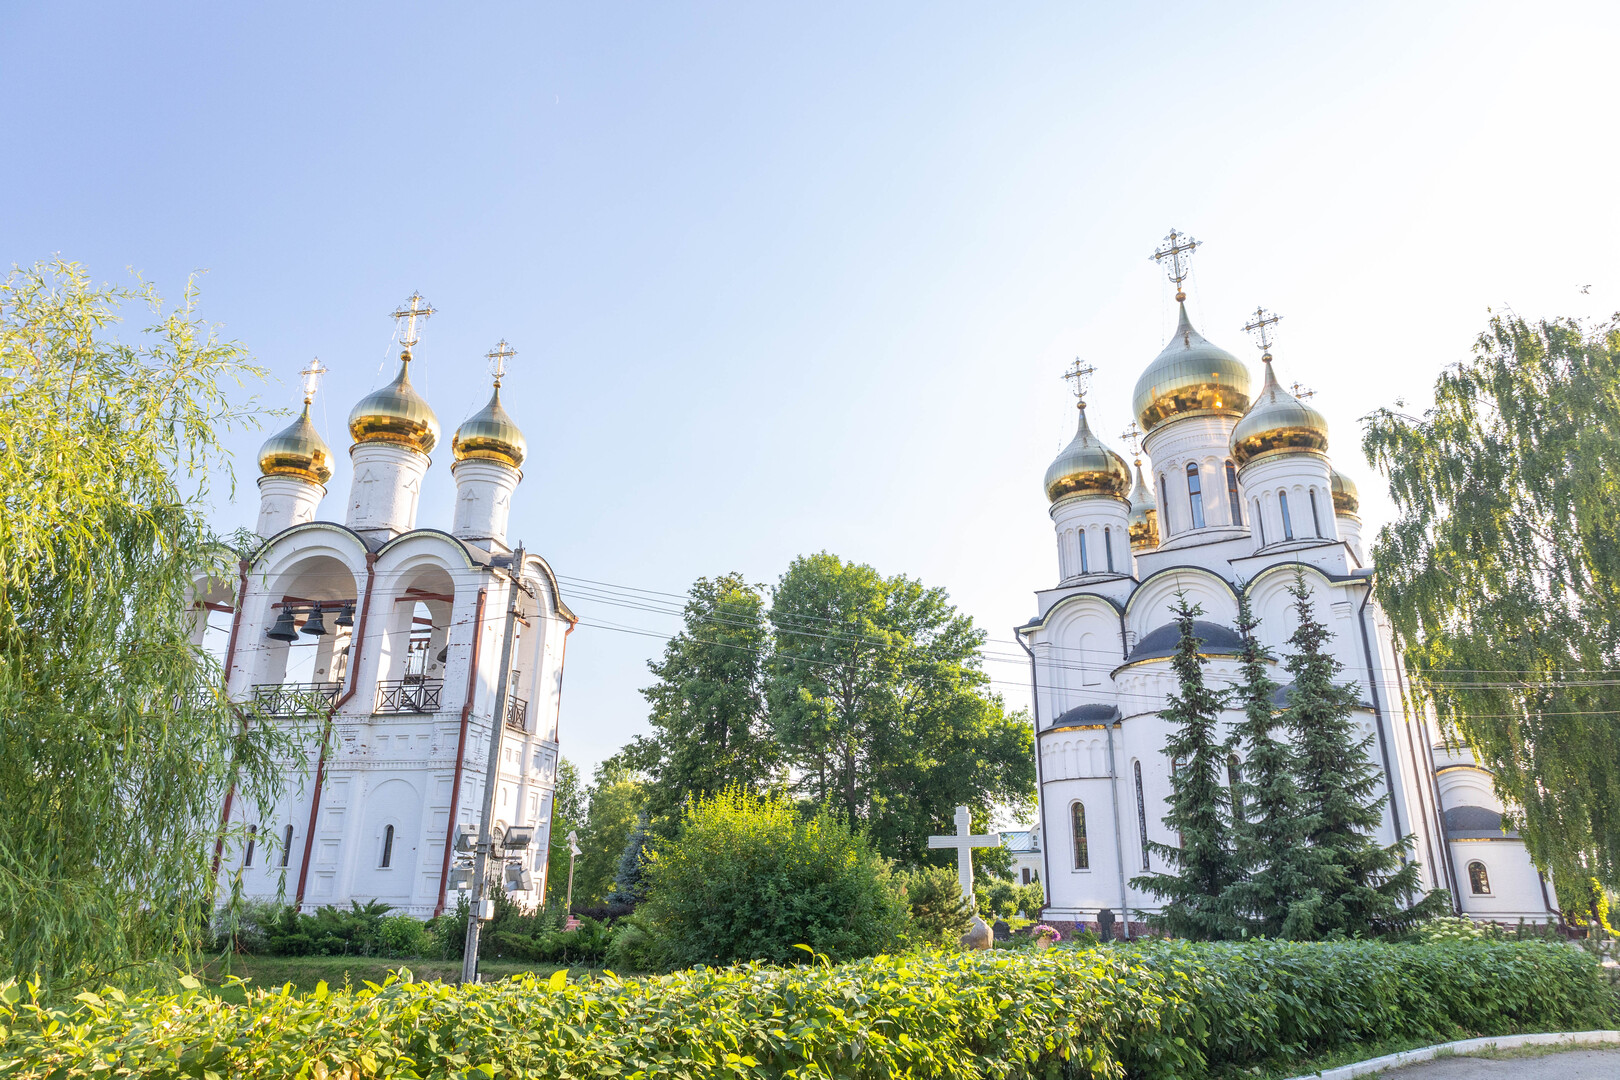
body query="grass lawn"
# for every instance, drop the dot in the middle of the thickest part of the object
(304, 972)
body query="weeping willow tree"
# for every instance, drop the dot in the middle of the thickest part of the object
(1501, 575)
(116, 742)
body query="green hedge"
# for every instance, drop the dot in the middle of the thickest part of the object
(1153, 1010)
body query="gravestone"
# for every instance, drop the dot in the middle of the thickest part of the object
(978, 935)
(1105, 924)
(1001, 931)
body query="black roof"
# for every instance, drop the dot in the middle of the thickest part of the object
(1094, 713)
(1476, 823)
(1215, 639)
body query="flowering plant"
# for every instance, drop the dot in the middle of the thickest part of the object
(1047, 932)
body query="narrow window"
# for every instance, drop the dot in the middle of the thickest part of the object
(1141, 815)
(1195, 495)
(1232, 496)
(1260, 520)
(1108, 547)
(1164, 502)
(1288, 522)
(1479, 882)
(388, 847)
(1085, 563)
(1316, 521)
(1082, 855)
(286, 845)
(1026, 875)
(253, 840)
(1234, 779)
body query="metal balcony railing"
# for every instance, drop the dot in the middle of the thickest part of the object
(296, 699)
(412, 695)
(517, 713)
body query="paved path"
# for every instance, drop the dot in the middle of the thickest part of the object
(1565, 1065)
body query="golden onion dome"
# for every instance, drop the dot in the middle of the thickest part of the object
(1087, 467)
(1191, 376)
(297, 451)
(1144, 518)
(395, 414)
(1345, 498)
(491, 435)
(1278, 423)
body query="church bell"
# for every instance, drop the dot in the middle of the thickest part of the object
(315, 626)
(345, 617)
(284, 630)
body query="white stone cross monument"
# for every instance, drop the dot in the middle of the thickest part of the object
(964, 843)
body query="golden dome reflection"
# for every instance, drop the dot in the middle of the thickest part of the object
(490, 434)
(1190, 376)
(1278, 423)
(1087, 467)
(298, 450)
(396, 414)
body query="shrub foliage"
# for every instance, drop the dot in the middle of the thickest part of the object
(1154, 1010)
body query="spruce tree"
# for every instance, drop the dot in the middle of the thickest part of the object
(1362, 885)
(1196, 895)
(1275, 897)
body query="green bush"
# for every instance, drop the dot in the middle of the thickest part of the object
(1155, 1010)
(751, 878)
(586, 945)
(934, 899)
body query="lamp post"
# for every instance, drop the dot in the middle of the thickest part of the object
(573, 850)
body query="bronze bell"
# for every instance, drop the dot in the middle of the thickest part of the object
(315, 626)
(345, 617)
(284, 630)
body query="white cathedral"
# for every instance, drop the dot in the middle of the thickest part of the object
(383, 642)
(1238, 492)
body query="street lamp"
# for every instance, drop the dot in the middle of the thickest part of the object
(573, 851)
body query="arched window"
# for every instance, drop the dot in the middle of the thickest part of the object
(286, 845)
(1108, 547)
(1233, 499)
(1164, 503)
(1234, 780)
(1316, 520)
(1082, 854)
(1288, 522)
(253, 841)
(388, 847)
(1260, 520)
(1195, 495)
(1141, 814)
(1085, 563)
(1479, 882)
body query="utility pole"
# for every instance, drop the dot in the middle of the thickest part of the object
(486, 840)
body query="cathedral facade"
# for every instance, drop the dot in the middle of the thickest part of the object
(396, 653)
(1237, 494)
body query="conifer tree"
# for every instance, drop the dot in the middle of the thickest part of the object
(1362, 885)
(1197, 895)
(1269, 824)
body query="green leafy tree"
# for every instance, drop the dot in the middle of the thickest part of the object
(567, 815)
(615, 802)
(1270, 827)
(116, 740)
(1197, 894)
(708, 706)
(754, 878)
(1359, 887)
(880, 705)
(1501, 574)
(630, 877)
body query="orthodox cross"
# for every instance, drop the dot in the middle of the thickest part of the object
(497, 357)
(1131, 435)
(1259, 328)
(964, 842)
(1080, 375)
(1177, 247)
(1300, 392)
(413, 309)
(312, 379)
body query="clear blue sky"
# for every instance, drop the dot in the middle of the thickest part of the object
(786, 278)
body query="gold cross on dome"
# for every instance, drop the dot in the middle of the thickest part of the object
(312, 379)
(497, 357)
(1299, 391)
(1131, 435)
(1259, 328)
(1080, 375)
(1177, 247)
(416, 307)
